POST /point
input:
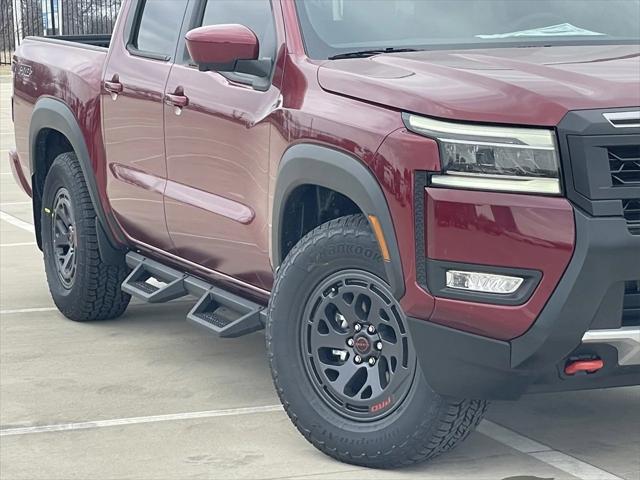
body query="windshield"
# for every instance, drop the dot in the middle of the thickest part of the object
(335, 27)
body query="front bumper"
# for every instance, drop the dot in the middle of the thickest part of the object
(582, 318)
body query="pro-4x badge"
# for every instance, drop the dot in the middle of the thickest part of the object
(383, 405)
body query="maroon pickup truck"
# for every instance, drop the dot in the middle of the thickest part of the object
(427, 204)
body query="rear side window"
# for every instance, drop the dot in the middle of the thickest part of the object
(159, 25)
(254, 14)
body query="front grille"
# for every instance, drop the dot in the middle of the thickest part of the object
(624, 163)
(600, 153)
(631, 304)
(631, 212)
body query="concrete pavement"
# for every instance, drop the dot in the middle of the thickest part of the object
(150, 397)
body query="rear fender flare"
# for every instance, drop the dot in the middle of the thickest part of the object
(51, 113)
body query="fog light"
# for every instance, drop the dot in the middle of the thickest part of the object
(483, 282)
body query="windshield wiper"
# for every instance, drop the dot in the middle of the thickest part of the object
(369, 53)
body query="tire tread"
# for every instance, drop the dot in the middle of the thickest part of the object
(101, 297)
(456, 418)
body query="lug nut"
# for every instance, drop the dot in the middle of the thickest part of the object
(350, 342)
(357, 359)
(372, 361)
(357, 327)
(378, 345)
(371, 329)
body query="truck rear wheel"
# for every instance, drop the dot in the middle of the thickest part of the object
(342, 360)
(83, 287)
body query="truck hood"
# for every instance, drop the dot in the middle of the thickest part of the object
(526, 86)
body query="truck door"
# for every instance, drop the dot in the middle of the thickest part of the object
(134, 82)
(217, 130)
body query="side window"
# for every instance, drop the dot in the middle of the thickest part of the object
(158, 26)
(255, 14)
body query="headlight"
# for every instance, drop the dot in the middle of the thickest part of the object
(485, 157)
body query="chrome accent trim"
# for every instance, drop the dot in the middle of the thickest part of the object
(550, 186)
(442, 130)
(614, 118)
(626, 340)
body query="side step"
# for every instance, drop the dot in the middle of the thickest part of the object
(219, 311)
(168, 284)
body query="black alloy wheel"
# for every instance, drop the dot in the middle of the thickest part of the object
(64, 237)
(356, 347)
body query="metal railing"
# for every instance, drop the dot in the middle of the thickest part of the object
(21, 18)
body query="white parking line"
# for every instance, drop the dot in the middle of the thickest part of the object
(16, 222)
(27, 310)
(544, 453)
(18, 244)
(5, 204)
(64, 427)
(539, 451)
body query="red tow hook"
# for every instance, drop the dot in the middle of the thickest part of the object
(586, 366)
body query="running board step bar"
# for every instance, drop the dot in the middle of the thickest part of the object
(219, 311)
(153, 282)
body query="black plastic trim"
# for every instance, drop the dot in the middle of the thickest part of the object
(310, 164)
(464, 365)
(148, 55)
(587, 179)
(56, 115)
(108, 253)
(420, 179)
(436, 281)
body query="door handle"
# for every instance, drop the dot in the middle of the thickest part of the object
(114, 87)
(175, 100)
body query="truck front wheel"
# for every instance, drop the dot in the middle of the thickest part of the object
(83, 287)
(342, 359)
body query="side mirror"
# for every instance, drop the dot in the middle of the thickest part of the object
(220, 47)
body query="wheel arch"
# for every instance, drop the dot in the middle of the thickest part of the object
(311, 164)
(50, 114)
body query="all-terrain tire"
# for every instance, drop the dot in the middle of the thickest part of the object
(91, 289)
(420, 426)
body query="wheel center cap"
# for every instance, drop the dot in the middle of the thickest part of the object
(362, 344)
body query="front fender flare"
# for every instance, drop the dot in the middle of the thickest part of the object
(309, 164)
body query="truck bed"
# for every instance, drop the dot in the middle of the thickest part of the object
(67, 68)
(95, 40)
(77, 41)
